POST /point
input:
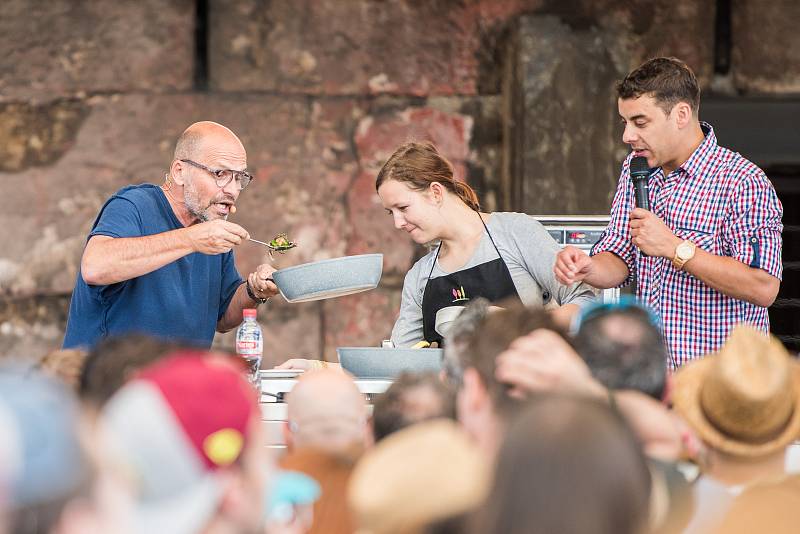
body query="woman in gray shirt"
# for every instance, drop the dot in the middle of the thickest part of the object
(497, 256)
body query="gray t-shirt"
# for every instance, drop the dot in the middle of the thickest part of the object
(527, 250)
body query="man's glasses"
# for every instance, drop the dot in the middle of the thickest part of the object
(223, 177)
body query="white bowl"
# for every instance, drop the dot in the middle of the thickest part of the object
(445, 318)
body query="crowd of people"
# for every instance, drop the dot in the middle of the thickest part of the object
(673, 412)
(527, 428)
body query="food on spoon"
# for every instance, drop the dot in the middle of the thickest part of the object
(281, 243)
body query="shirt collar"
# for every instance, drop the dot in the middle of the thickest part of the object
(700, 156)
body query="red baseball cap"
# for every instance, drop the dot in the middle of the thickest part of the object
(176, 425)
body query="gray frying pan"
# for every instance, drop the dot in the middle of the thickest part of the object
(327, 279)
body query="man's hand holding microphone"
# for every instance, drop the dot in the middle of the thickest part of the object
(648, 233)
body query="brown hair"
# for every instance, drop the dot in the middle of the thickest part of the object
(114, 360)
(667, 79)
(65, 365)
(492, 337)
(569, 465)
(401, 405)
(421, 164)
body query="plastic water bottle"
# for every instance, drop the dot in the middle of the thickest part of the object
(250, 346)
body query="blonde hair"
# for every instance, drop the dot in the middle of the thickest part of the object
(421, 164)
(65, 365)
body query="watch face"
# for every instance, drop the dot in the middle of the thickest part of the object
(685, 250)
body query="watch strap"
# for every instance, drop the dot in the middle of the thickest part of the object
(252, 295)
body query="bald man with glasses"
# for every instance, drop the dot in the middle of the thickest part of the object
(159, 259)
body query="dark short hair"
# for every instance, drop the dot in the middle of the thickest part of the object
(392, 409)
(493, 336)
(114, 360)
(667, 79)
(638, 362)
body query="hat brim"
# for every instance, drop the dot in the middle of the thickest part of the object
(686, 400)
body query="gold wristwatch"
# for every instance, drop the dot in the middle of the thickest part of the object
(683, 253)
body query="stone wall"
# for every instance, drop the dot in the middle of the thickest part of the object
(94, 94)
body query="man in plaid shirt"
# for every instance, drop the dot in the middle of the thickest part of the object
(708, 255)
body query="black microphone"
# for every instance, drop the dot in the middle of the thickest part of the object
(640, 172)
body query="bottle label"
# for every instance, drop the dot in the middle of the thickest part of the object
(249, 347)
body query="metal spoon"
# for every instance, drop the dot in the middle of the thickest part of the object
(271, 247)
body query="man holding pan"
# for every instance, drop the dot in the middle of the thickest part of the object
(707, 255)
(159, 259)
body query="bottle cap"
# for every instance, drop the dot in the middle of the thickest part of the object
(249, 312)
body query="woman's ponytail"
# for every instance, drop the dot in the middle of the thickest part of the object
(467, 194)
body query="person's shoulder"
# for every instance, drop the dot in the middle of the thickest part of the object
(512, 221)
(143, 197)
(738, 170)
(138, 192)
(421, 267)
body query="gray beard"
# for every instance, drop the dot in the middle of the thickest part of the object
(193, 206)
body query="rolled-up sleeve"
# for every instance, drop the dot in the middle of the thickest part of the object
(616, 237)
(752, 232)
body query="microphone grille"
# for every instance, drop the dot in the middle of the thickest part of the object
(639, 166)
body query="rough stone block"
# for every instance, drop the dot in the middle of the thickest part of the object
(650, 28)
(421, 48)
(30, 327)
(351, 47)
(563, 131)
(61, 47)
(766, 46)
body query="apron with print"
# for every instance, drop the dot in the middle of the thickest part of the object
(490, 280)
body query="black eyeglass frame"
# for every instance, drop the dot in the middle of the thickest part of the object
(243, 178)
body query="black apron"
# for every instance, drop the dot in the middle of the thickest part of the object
(490, 280)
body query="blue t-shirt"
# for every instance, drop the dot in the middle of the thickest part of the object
(181, 301)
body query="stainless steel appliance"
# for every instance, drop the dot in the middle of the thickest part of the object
(581, 231)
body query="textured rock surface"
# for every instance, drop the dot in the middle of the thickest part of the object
(350, 47)
(421, 48)
(563, 133)
(680, 28)
(29, 328)
(61, 47)
(766, 46)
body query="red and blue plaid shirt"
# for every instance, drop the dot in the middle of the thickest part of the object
(727, 206)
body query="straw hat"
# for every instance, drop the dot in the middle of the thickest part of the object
(419, 475)
(745, 399)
